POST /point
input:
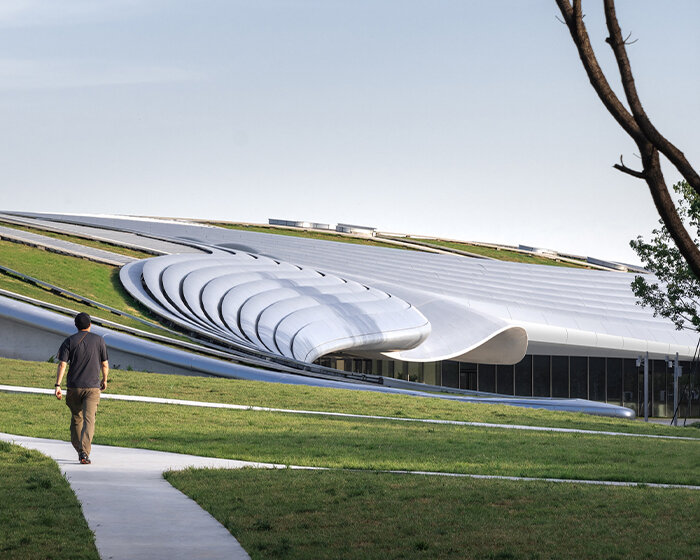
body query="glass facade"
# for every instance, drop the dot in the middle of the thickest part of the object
(541, 375)
(504, 380)
(613, 380)
(523, 377)
(596, 379)
(560, 378)
(487, 378)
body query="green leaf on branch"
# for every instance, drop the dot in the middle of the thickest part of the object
(677, 293)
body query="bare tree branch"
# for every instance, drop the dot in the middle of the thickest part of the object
(622, 167)
(627, 39)
(574, 21)
(649, 141)
(675, 156)
(667, 209)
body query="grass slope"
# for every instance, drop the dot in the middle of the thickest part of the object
(40, 517)
(93, 280)
(299, 397)
(368, 516)
(356, 514)
(82, 241)
(358, 443)
(310, 234)
(96, 281)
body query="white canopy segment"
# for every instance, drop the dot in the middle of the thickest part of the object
(272, 306)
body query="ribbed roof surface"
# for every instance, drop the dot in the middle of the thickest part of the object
(475, 308)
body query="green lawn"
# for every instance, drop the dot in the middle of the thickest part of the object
(310, 234)
(293, 439)
(368, 516)
(95, 281)
(82, 241)
(360, 513)
(40, 517)
(299, 397)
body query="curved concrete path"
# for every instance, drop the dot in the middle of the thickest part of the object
(133, 511)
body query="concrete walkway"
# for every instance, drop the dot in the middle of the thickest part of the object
(133, 511)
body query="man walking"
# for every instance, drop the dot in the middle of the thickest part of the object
(86, 353)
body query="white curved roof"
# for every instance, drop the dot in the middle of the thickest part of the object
(276, 307)
(478, 310)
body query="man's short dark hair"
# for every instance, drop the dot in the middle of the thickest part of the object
(82, 321)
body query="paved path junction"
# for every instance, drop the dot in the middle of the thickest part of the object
(133, 511)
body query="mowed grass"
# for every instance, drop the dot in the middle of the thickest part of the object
(293, 439)
(362, 513)
(111, 247)
(377, 516)
(40, 517)
(95, 281)
(300, 397)
(499, 254)
(310, 234)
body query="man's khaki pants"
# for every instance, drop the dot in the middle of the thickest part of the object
(83, 406)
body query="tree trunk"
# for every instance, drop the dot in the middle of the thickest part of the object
(636, 123)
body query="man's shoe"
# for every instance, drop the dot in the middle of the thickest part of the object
(84, 459)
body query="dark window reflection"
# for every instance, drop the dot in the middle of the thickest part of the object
(487, 378)
(614, 380)
(578, 375)
(560, 376)
(504, 380)
(596, 379)
(523, 377)
(541, 376)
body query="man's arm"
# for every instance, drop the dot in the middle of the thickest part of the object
(59, 377)
(105, 373)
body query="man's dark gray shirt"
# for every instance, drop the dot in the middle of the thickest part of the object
(84, 352)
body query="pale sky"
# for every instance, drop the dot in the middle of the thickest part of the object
(465, 119)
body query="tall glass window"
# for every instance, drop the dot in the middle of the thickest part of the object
(596, 379)
(469, 376)
(658, 388)
(450, 374)
(487, 378)
(560, 376)
(541, 376)
(630, 384)
(615, 380)
(430, 373)
(578, 374)
(523, 377)
(415, 371)
(504, 380)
